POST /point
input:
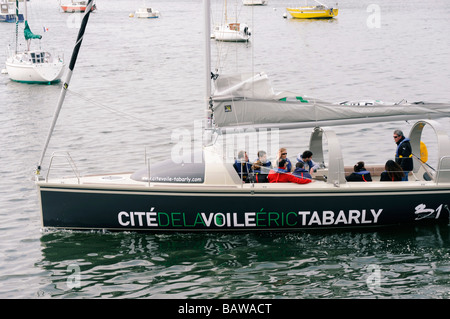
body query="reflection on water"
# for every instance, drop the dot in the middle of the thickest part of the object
(376, 264)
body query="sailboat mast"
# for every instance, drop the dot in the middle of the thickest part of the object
(207, 17)
(62, 95)
(226, 12)
(25, 21)
(17, 25)
(207, 35)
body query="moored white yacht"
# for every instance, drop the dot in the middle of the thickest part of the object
(33, 66)
(232, 32)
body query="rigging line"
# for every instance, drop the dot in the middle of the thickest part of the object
(117, 112)
(253, 52)
(66, 82)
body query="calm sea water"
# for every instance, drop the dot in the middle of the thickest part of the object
(137, 80)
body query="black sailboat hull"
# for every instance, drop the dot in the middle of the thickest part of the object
(238, 210)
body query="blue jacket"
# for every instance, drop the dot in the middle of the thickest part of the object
(310, 163)
(301, 173)
(403, 155)
(266, 164)
(288, 165)
(242, 168)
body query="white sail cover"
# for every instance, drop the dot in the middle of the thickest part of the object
(249, 100)
(255, 86)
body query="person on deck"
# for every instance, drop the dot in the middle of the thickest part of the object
(300, 171)
(282, 155)
(306, 158)
(280, 175)
(242, 165)
(393, 172)
(258, 176)
(360, 174)
(262, 157)
(403, 155)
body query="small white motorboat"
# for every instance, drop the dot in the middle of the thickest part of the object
(254, 2)
(146, 13)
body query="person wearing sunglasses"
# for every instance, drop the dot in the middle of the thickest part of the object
(403, 154)
(282, 155)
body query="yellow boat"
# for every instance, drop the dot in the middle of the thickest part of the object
(313, 12)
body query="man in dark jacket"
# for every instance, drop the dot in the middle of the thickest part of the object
(242, 166)
(403, 155)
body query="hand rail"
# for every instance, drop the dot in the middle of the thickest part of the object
(441, 170)
(70, 161)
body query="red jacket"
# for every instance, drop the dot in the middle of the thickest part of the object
(275, 177)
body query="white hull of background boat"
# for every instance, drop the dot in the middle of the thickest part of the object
(146, 13)
(255, 2)
(79, 6)
(238, 32)
(34, 73)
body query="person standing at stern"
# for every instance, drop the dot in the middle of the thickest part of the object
(403, 155)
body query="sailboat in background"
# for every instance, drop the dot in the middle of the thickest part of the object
(75, 6)
(319, 11)
(231, 31)
(9, 11)
(254, 2)
(33, 66)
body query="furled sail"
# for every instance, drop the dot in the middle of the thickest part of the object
(28, 34)
(250, 101)
(233, 86)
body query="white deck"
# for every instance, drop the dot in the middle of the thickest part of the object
(123, 181)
